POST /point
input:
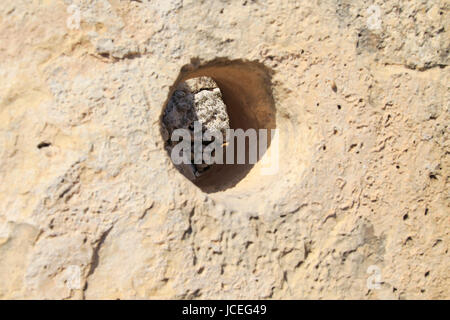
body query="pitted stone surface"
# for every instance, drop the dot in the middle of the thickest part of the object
(197, 99)
(362, 185)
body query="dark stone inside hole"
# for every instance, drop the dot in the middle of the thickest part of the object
(246, 92)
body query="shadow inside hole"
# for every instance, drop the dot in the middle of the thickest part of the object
(247, 94)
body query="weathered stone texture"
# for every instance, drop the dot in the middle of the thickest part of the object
(195, 100)
(363, 181)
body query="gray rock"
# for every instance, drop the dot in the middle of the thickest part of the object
(198, 99)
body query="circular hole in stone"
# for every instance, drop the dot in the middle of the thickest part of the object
(220, 94)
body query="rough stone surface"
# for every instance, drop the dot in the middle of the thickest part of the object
(198, 99)
(363, 115)
(195, 100)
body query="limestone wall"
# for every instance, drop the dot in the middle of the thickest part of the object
(92, 207)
